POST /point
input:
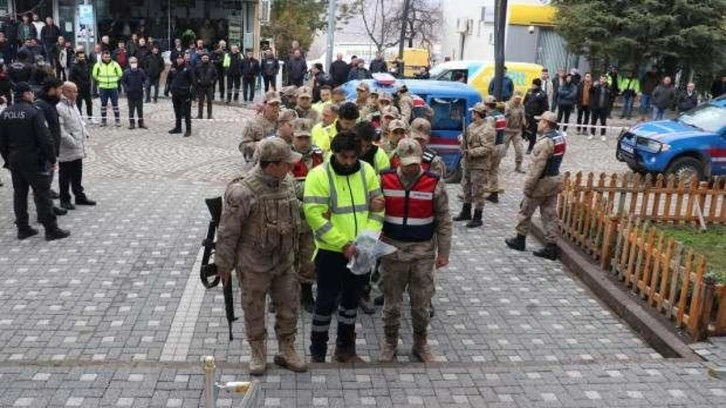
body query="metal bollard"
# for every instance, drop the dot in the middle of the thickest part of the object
(211, 387)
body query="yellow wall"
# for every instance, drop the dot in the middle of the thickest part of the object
(531, 14)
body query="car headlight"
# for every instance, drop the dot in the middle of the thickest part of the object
(651, 146)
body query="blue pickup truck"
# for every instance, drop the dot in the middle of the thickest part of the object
(450, 102)
(694, 143)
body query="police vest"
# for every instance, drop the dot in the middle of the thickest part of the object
(300, 170)
(427, 159)
(409, 213)
(500, 124)
(552, 168)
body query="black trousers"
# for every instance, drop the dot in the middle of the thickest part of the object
(564, 112)
(23, 181)
(269, 82)
(136, 104)
(182, 109)
(202, 95)
(220, 81)
(335, 281)
(583, 116)
(602, 115)
(233, 85)
(248, 88)
(149, 84)
(85, 96)
(531, 132)
(70, 175)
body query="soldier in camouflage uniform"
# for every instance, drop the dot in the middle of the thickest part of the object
(285, 124)
(397, 130)
(312, 156)
(262, 126)
(421, 132)
(500, 124)
(405, 104)
(388, 114)
(418, 224)
(288, 96)
(258, 237)
(541, 187)
(304, 107)
(477, 147)
(516, 122)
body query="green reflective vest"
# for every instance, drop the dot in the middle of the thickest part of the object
(107, 75)
(337, 207)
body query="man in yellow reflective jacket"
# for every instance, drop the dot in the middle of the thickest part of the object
(107, 74)
(342, 199)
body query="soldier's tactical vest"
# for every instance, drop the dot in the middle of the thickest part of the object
(274, 221)
(300, 170)
(500, 124)
(409, 213)
(428, 157)
(552, 168)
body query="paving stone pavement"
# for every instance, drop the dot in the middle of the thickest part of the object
(113, 316)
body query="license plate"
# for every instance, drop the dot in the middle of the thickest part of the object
(626, 148)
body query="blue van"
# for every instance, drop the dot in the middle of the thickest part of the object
(450, 102)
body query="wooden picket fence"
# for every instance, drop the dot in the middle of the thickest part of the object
(612, 221)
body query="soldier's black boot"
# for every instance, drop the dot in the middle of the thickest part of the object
(518, 242)
(306, 297)
(465, 214)
(26, 232)
(52, 232)
(493, 197)
(549, 251)
(476, 221)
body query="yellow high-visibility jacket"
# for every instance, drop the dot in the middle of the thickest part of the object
(323, 135)
(107, 75)
(337, 207)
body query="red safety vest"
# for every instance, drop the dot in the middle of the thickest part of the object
(300, 170)
(409, 213)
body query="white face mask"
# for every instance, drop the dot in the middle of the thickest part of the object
(134, 66)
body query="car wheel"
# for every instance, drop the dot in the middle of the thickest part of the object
(453, 176)
(685, 168)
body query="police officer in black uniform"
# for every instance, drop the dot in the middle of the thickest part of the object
(182, 81)
(27, 149)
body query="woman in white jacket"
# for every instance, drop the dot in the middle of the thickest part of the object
(72, 148)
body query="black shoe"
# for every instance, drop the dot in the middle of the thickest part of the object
(306, 297)
(529, 150)
(199, 117)
(518, 243)
(175, 131)
(431, 311)
(378, 301)
(476, 220)
(549, 251)
(26, 232)
(317, 359)
(59, 211)
(367, 307)
(493, 197)
(84, 201)
(188, 133)
(67, 205)
(132, 126)
(465, 214)
(54, 195)
(56, 233)
(148, 101)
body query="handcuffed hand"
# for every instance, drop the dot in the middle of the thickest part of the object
(378, 204)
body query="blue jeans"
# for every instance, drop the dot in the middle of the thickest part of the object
(644, 104)
(113, 95)
(627, 106)
(657, 113)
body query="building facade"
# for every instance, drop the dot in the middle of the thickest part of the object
(85, 21)
(468, 33)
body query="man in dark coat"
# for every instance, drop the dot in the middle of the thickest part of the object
(378, 64)
(182, 82)
(234, 73)
(270, 68)
(49, 36)
(296, 68)
(27, 149)
(133, 81)
(535, 103)
(154, 66)
(205, 75)
(339, 70)
(688, 99)
(600, 105)
(80, 75)
(250, 68)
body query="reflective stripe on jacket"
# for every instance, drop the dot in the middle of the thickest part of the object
(107, 75)
(336, 206)
(409, 213)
